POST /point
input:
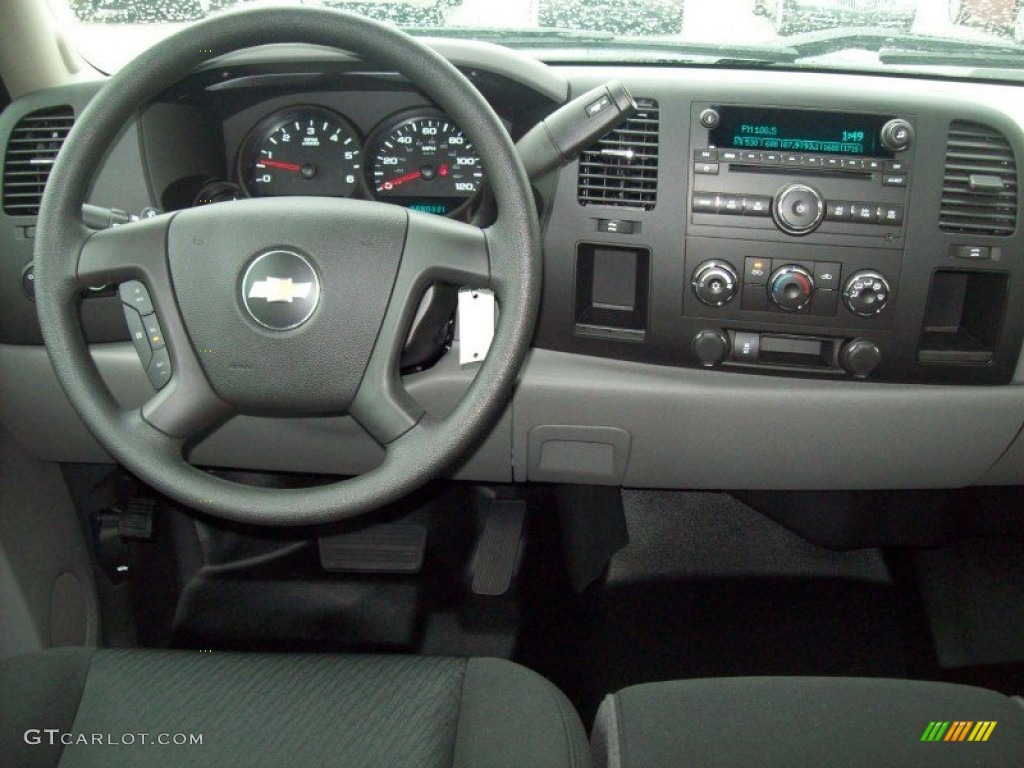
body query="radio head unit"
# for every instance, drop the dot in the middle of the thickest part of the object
(797, 130)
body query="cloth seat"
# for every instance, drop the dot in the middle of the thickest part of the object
(798, 722)
(281, 710)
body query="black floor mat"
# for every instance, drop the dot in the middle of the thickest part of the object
(709, 588)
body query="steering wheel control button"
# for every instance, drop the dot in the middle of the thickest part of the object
(791, 287)
(137, 331)
(715, 283)
(154, 335)
(798, 209)
(710, 348)
(866, 293)
(159, 370)
(280, 290)
(134, 294)
(897, 135)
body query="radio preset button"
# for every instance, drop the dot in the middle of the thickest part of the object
(798, 209)
(729, 155)
(863, 213)
(793, 159)
(704, 202)
(833, 162)
(853, 163)
(814, 161)
(730, 204)
(837, 210)
(889, 214)
(751, 157)
(773, 158)
(757, 205)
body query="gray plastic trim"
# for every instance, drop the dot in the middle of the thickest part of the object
(36, 411)
(46, 584)
(709, 429)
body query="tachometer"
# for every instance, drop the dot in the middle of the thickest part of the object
(425, 162)
(301, 151)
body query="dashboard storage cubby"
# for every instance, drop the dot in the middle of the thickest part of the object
(963, 318)
(612, 287)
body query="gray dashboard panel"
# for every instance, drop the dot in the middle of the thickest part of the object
(708, 429)
(35, 410)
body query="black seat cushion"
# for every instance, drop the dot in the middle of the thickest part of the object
(786, 722)
(281, 710)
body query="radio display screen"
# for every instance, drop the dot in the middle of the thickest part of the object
(792, 130)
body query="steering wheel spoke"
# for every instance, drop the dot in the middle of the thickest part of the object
(129, 252)
(436, 250)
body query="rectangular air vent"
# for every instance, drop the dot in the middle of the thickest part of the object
(622, 168)
(979, 188)
(31, 150)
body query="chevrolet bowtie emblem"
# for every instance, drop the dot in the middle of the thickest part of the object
(280, 289)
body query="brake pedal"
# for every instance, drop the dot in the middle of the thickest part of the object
(496, 558)
(387, 548)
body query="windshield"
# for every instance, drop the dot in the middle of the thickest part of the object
(978, 38)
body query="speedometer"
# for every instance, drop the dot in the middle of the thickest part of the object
(301, 151)
(425, 162)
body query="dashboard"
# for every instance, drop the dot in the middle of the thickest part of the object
(761, 279)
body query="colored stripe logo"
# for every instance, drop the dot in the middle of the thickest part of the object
(958, 730)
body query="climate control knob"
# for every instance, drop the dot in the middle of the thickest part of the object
(866, 293)
(791, 287)
(710, 348)
(715, 283)
(798, 209)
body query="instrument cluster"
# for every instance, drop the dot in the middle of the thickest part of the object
(416, 158)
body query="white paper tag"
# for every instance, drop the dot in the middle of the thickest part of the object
(476, 324)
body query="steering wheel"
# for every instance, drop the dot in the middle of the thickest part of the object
(286, 306)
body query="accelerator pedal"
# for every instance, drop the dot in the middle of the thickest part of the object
(387, 548)
(497, 551)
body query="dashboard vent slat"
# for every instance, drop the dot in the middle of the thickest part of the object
(32, 148)
(973, 149)
(621, 169)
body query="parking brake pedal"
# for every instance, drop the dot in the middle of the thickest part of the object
(388, 548)
(497, 552)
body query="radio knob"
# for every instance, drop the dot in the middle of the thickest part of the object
(798, 209)
(710, 348)
(866, 293)
(860, 357)
(715, 283)
(897, 135)
(791, 287)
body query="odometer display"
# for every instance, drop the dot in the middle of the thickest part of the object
(426, 163)
(302, 151)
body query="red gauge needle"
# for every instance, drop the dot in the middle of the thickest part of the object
(283, 166)
(400, 180)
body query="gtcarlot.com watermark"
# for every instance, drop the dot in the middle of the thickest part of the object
(53, 736)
